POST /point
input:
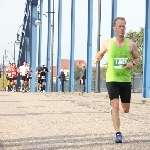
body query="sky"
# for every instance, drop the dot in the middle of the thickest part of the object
(12, 13)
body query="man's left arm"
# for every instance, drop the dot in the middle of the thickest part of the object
(46, 70)
(134, 53)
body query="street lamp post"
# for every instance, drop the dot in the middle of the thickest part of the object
(4, 57)
(38, 22)
(18, 40)
(52, 49)
(14, 53)
(98, 48)
(3, 71)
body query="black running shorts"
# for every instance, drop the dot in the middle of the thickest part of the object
(119, 89)
(10, 79)
(23, 78)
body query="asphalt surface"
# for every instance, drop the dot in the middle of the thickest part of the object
(57, 121)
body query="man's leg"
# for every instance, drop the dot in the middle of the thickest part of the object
(62, 85)
(23, 84)
(115, 114)
(124, 107)
(83, 86)
(113, 91)
(14, 85)
(125, 95)
(41, 85)
(44, 86)
(8, 85)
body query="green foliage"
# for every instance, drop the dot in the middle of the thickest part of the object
(77, 73)
(102, 72)
(94, 72)
(138, 38)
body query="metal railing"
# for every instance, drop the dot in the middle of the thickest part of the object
(136, 82)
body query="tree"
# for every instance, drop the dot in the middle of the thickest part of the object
(77, 73)
(102, 72)
(138, 38)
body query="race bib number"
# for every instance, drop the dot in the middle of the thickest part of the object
(42, 77)
(9, 74)
(120, 63)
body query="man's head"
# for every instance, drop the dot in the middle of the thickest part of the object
(24, 63)
(83, 66)
(14, 65)
(9, 65)
(119, 26)
(42, 65)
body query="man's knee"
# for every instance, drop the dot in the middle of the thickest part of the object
(126, 110)
(125, 107)
(115, 104)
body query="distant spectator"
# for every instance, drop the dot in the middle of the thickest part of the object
(62, 80)
(83, 78)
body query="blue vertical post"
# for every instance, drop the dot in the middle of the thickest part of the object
(26, 49)
(113, 16)
(48, 47)
(40, 34)
(33, 42)
(146, 53)
(59, 44)
(97, 87)
(71, 68)
(89, 47)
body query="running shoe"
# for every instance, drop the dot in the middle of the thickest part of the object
(118, 138)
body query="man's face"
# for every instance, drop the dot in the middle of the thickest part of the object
(83, 67)
(9, 65)
(24, 63)
(120, 28)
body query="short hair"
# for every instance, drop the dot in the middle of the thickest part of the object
(119, 18)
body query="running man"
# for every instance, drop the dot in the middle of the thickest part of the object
(23, 72)
(29, 77)
(9, 76)
(15, 71)
(122, 56)
(42, 71)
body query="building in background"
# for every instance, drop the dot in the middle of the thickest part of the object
(65, 67)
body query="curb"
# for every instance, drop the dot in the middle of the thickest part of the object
(140, 101)
(105, 96)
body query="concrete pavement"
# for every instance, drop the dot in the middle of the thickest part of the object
(57, 121)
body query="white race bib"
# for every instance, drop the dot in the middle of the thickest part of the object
(9, 74)
(42, 77)
(120, 63)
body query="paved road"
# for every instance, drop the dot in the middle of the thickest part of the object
(32, 121)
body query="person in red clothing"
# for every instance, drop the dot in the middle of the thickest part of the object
(15, 71)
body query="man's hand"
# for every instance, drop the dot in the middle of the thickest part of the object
(129, 65)
(96, 60)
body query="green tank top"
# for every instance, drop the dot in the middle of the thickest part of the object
(117, 59)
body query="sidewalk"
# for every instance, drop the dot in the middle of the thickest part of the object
(57, 121)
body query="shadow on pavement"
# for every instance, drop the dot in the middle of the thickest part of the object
(65, 142)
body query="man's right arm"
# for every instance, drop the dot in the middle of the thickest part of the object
(102, 51)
